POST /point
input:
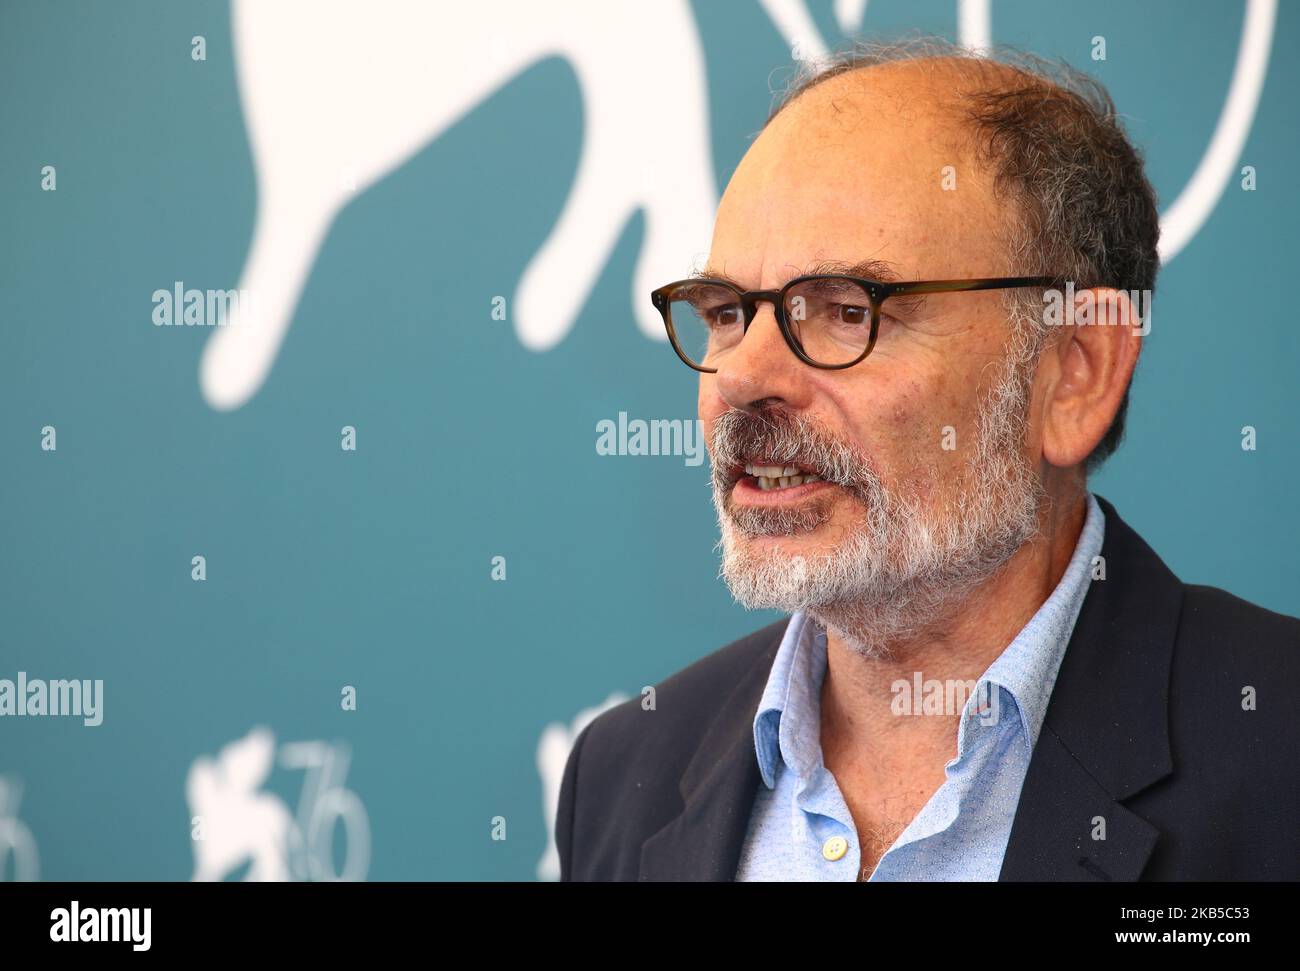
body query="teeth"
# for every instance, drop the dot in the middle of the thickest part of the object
(766, 482)
(779, 476)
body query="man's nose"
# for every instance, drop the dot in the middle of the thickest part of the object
(762, 370)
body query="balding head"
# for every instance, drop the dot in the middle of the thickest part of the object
(854, 166)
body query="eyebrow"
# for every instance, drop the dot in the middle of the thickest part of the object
(878, 270)
(881, 271)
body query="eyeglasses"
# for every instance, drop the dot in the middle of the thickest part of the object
(830, 321)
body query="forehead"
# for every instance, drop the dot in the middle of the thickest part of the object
(869, 166)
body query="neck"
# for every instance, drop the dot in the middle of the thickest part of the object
(958, 642)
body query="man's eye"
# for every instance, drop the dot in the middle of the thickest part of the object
(847, 313)
(723, 316)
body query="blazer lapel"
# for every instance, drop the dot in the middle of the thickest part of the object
(703, 843)
(1105, 736)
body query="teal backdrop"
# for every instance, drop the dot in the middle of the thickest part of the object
(373, 568)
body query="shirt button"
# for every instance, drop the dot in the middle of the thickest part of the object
(835, 847)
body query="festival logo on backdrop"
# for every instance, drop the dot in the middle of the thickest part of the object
(235, 826)
(317, 138)
(16, 840)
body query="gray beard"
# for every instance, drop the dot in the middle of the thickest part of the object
(900, 566)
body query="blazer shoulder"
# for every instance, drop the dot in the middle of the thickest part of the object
(622, 778)
(1228, 651)
(1216, 620)
(1236, 665)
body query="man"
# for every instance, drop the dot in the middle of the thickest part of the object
(987, 675)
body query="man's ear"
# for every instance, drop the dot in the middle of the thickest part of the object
(1094, 364)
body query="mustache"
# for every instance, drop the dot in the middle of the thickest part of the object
(781, 437)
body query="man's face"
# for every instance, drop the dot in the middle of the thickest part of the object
(926, 450)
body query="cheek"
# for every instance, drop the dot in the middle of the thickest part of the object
(891, 424)
(947, 434)
(915, 429)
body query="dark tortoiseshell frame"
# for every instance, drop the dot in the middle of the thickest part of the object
(877, 294)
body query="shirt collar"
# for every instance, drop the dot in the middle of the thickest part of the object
(794, 685)
(1026, 669)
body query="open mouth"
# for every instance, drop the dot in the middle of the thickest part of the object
(771, 477)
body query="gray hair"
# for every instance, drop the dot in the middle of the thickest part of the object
(1081, 208)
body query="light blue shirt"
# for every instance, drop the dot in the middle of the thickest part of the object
(962, 832)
